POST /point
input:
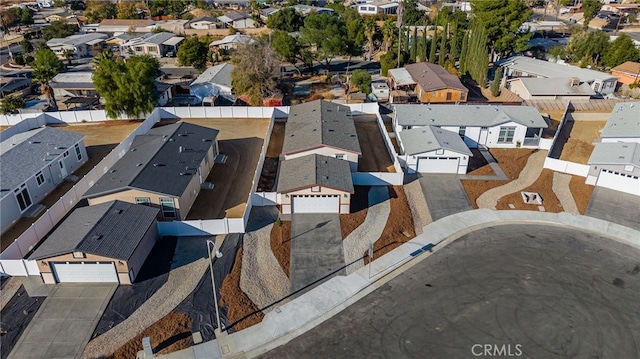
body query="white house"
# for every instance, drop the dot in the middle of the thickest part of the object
(532, 88)
(385, 7)
(231, 42)
(430, 149)
(623, 124)
(215, 81)
(34, 163)
(323, 128)
(203, 23)
(522, 66)
(237, 20)
(380, 90)
(488, 126)
(156, 45)
(79, 45)
(119, 26)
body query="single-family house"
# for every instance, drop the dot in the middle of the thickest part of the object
(231, 42)
(430, 149)
(165, 168)
(434, 84)
(478, 126)
(324, 128)
(627, 73)
(156, 45)
(314, 184)
(532, 88)
(33, 164)
(401, 79)
(381, 91)
(79, 45)
(203, 23)
(61, 16)
(119, 26)
(104, 243)
(385, 7)
(215, 81)
(232, 4)
(237, 20)
(623, 124)
(117, 40)
(15, 84)
(267, 12)
(522, 66)
(176, 26)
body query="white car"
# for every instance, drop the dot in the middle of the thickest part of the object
(564, 10)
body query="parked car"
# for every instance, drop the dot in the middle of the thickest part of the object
(169, 54)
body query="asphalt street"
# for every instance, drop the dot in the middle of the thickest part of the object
(538, 291)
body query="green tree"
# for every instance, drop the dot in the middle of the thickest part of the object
(501, 20)
(126, 10)
(432, 46)
(362, 80)
(286, 19)
(193, 52)
(256, 64)
(453, 41)
(19, 60)
(26, 17)
(127, 87)
(10, 104)
(59, 3)
(558, 52)
(477, 56)
(390, 60)
(588, 46)
(412, 16)
(463, 53)
(370, 30)
(27, 46)
(326, 34)
(591, 8)
(621, 50)
(495, 84)
(289, 49)
(389, 31)
(68, 55)
(58, 29)
(46, 65)
(414, 45)
(98, 10)
(443, 47)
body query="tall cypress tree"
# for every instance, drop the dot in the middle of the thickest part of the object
(405, 45)
(425, 43)
(432, 46)
(463, 53)
(414, 45)
(443, 46)
(453, 42)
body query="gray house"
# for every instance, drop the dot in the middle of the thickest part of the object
(33, 164)
(108, 242)
(430, 149)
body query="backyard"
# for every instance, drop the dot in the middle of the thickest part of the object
(582, 134)
(272, 159)
(375, 157)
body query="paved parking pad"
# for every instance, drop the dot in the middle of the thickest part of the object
(64, 323)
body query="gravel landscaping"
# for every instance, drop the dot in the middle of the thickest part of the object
(262, 278)
(10, 286)
(561, 189)
(417, 203)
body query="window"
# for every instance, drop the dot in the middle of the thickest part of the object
(152, 49)
(596, 86)
(340, 156)
(65, 154)
(372, 8)
(363, 8)
(315, 189)
(40, 178)
(440, 151)
(463, 97)
(79, 255)
(506, 134)
(78, 153)
(168, 207)
(448, 96)
(23, 197)
(138, 49)
(145, 201)
(462, 131)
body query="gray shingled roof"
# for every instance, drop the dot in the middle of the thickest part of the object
(433, 77)
(623, 122)
(467, 115)
(320, 123)
(554, 86)
(313, 170)
(113, 229)
(24, 154)
(553, 70)
(615, 153)
(431, 138)
(155, 164)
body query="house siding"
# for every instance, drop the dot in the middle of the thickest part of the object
(412, 160)
(474, 135)
(142, 251)
(626, 78)
(440, 96)
(329, 152)
(345, 198)
(594, 170)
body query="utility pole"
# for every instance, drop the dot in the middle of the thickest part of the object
(617, 25)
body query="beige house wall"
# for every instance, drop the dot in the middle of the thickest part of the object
(130, 197)
(44, 266)
(329, 152)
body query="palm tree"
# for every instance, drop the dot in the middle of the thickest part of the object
(68, 55)
(388, 34)
(46, 65)
(370, 29)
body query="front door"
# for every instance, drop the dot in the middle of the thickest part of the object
(63, 168)
(484, 132)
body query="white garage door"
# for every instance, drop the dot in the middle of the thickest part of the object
(619, 182)
(438, 164)
(91, 272)
(316, 204)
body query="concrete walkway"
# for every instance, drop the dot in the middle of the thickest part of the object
(65, 321)
(322, 302)
(527, 177)
(316, 249)
(500, 176)
(563, 192)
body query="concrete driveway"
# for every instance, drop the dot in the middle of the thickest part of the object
(64, 323)
(614, 206)
(316, 249)
(444, 195)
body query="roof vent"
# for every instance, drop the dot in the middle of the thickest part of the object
(96, 237)
(207, 140)
(621, 157)
(34, 142)
(159, 165)
(171, 140)
(138, 164)
(112, 171)
(182, 135)
(118, 211)
(180, 149)
(185, 174)
(134, 149)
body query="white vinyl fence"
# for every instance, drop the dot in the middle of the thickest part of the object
(558, 165)
(262, 199)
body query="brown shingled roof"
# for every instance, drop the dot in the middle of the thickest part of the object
(629, 67)
(433, 77)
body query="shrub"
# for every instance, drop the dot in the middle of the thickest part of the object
(18, 60)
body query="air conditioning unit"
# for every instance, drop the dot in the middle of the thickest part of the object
(206, 185)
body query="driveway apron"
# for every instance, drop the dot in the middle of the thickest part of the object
(614, 206)
(444, 195)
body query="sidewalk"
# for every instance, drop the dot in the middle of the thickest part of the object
(321, 303)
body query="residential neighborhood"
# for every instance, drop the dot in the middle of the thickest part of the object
(236, 179)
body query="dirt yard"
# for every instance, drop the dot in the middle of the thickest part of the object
(241, 311)
(169, 334)
(2, 128)
(102, 137)
(375, 157)
(554, 117)
(281, 245)
(358, 212)
(241, 140)
(272, 158)
(581, 192)
(511, 161)
(543, 186)
(399, 228)
(579, 146)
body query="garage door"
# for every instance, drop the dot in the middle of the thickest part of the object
(619, 182)
(90, 272)
(316, 204)
(438, 164)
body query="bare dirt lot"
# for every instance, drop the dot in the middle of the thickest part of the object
(241, 140)
(281, 245)
(272, 158)
(375, 157)
(102, 137)
(579, 146)
(581, 192)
